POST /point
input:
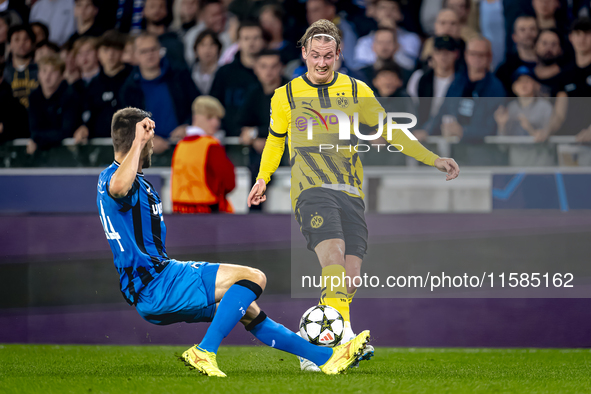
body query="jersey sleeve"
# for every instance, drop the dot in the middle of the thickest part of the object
(275, 144)
(370, 110)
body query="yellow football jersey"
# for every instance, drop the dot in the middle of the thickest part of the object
(308, 115)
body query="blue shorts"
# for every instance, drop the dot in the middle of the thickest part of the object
(183, 292)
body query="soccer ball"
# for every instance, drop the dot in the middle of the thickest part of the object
(322, 325)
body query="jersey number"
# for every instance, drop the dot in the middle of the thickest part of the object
(108, 227)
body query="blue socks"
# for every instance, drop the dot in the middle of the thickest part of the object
(231, 309)
(277, 336)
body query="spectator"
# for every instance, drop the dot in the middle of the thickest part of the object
(525, 31)
(271, 20)
(202, 174)
(545, 11)
(388, 86)
(524, 116)
(103, 91)
(128, 56)
(72, 73)
(85, 12)
(156, 19)
(429, 87)
(58, 16)
(526, 113)
(547, 70)
(186, 17)
(212, 15)
(473, 97)
(253, 117)
(85, 54)
(54, 111)
(158, 88)
(41, 31)
(462, 10)
(45, 48)
(492, 25)
(577, 84)
(446, 24)
(4, 27)
(385, 46)
(13, 117)
(233, 80)
(388, 15)
(326, 9)
(207, 53)
(20, 71)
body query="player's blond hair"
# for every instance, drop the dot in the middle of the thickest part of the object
(319, 31)
(208, 106)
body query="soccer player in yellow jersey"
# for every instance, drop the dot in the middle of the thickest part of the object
(326, 185)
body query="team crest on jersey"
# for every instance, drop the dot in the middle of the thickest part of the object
(342, 102)
(317, 221)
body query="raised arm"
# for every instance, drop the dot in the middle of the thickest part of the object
(123, 178)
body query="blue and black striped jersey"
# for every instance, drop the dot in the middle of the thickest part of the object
(135, 228)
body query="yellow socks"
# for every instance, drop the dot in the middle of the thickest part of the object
(334, 293)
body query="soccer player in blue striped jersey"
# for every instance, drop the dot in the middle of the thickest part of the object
(166, 291)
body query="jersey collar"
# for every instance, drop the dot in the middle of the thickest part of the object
(321, 85)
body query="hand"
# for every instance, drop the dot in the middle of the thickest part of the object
(452, 129)
(501, 116)
(524, 122)
(144, 131)
(540, 135)
(160, 145)
(31, 147)
(448, 165)
(259, 144)
(81, 135)
(246, 135)
(421, 135)
(178, 134)
(1, 127)
(257, 193)
(584, 135)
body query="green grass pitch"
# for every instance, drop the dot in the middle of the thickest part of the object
(256, 369)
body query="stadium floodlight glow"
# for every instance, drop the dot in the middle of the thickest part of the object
(345, 121)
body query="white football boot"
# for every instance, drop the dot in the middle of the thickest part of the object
(305, 364)
(348, 334)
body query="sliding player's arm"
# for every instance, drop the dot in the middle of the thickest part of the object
(273, 151)
(401, 140)
(122, 180)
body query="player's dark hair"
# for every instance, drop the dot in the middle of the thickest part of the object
(43, 27)
(95, 3)
(18, 28)
(51, 45)
(123, 127)
(208, 33)
(205, 3)
(248, 23)
(321, 26)
(112, 39)
(389, 66)
(581, 24)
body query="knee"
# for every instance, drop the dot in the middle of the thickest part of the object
(258, 277)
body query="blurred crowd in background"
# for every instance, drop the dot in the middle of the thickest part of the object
(467, 68)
